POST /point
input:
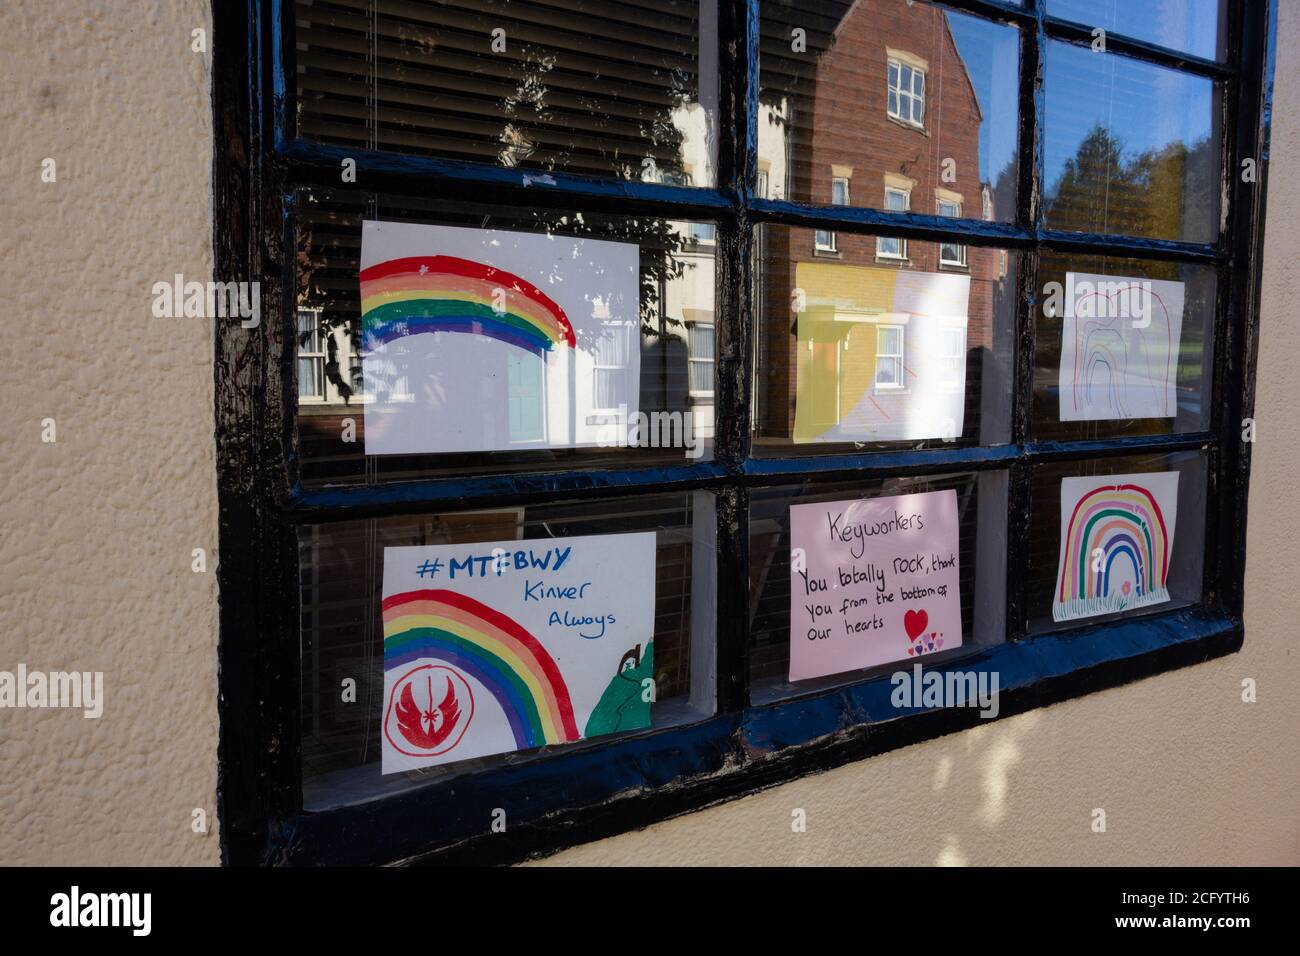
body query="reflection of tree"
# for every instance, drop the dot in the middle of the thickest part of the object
(1147, 195)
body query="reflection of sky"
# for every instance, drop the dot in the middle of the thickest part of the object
(1190, 25)
(991, 53)
(1146, 107)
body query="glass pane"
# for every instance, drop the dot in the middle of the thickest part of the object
(308, 382)
(603, 87)
(1130, 148)
(1123, 347)
(1192, 26)
(1135, 530)
(450, 357)
(831, 102)
(348, 569)
(979, 530)
(819, 336)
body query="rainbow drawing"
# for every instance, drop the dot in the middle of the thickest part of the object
(417, 294)
(486, 644)
(1115, 544)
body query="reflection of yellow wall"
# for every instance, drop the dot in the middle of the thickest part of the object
(830, 380)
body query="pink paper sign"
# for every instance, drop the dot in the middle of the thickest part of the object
(872, 581)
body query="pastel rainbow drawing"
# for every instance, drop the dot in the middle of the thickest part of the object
(491, 647)
(419, 294)
(1124, 522)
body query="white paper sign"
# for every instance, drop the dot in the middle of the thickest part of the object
(489, 340)
(1117, 536)
(507, 645)
(873, 581)
(1119, 347)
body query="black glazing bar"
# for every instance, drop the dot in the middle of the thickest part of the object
(258, 705)
(1031, 13)
(356, 501)
(1032, 127)
(738, 54)
(977, 232)
(319, 164)
(1082, 34)
(1256, 43)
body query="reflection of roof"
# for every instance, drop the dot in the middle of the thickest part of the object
(823, 20)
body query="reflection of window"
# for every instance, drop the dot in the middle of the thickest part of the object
(700, 358)
(311, 357)
(906, 93)
(951, 254)
(891, 247)
(609, 355)
(889, 356)
(824, 240)
(703, 231)
(952, 355)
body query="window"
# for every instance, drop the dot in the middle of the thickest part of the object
(311, 357)
(701, 359)
(610, 357)
(952, 356)
(950, 253)
(824, 241)
(907, 93)
(896, 200)
(889, 356)
(1088, 334)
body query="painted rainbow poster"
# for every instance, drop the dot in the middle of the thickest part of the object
(1117, 538)
(501, 646)
(489, 340)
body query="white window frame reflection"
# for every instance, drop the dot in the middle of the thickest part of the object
(313, 351)
(823, 239)
(893, 247)
(693, 359)
(952, 360)
(620, 329)
(896, 358)
(913, 94)
(952, 209)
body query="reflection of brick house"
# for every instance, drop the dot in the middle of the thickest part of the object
(880, 112)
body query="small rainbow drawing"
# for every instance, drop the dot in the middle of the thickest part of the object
(1125, 522)
(500, 654)
(418, 294)
(1093, 339)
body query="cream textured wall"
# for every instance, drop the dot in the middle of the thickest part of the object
(96, 533)
(96, 530)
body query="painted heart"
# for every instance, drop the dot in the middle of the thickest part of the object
(914, 623)
(939, 642)
(911, 651)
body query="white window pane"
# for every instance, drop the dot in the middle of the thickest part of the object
(893, 75)
(611, 348)
(606, 388)
(839, 192)
(308, 378)
(893, 103)
(701, 342)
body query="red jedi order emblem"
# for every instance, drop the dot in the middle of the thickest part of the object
(429, 710)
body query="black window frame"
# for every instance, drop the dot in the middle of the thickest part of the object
(624, 783)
